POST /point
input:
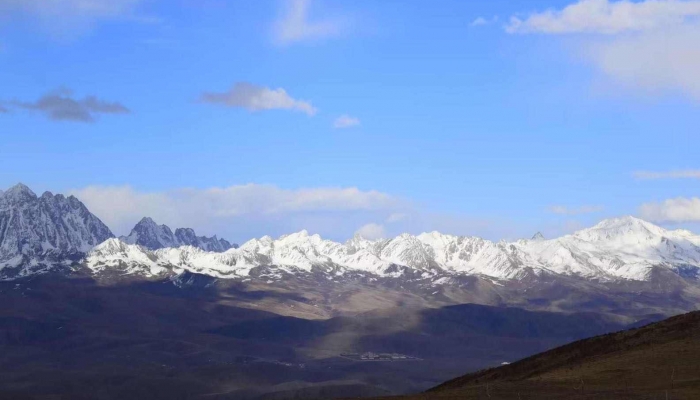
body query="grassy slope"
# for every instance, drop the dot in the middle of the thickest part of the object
(657, 361)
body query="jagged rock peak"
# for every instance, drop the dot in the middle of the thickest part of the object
(40, 231)
(18, 193)
(538, 236)
(149, 234)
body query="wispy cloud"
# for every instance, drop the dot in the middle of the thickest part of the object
(61, 105)
(375, 230)
(297, 25)
(372, 231)
(607, 17)
(3, 110)
(649, 45)
(68, 17)
(345, 121)
(481, 21)
(680, 209)
(258, 98)
(675, 174)
(563, 210)
(396, 217)
(656, 61)
(240, 212)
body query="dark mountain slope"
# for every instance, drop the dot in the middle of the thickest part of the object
(657, 361)
(70, 337)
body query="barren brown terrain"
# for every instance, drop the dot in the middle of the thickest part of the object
(657, 361)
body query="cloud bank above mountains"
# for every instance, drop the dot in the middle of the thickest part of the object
(242, 212)
(242, 209)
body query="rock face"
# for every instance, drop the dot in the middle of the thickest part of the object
(36, 232)
(147, 233)
(187, 237)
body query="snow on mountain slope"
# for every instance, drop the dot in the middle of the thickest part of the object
(625, 247)
(37, 233)
(622, 248)
(115, 256)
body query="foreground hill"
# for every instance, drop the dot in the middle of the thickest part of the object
(657, 361)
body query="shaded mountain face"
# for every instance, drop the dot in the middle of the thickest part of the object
(36, 232)
(149, 234)
(655, 361)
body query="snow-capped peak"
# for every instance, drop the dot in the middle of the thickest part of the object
(628, 227)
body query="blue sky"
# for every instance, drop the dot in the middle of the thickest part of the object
(496, 118)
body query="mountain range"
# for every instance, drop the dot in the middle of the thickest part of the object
(35, 229)
(169, 314)
(48, 232)
(617, 256)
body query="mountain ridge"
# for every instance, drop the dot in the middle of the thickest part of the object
(621, 248)
(149, 234)
(625, 248)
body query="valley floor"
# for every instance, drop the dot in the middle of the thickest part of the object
(72, 338)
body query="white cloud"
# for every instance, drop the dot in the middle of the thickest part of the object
(656, 61)
(675, 174)
(242, 210)
(608, 17)
(481, 21)
(257, 98)
(296, 25)
(345, 121)
(649, 45)
(372, 231)
(563, 210)
(676, 210)
(66, 17)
